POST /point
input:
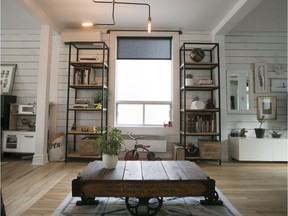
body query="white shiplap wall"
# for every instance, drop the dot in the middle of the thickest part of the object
(22, 47)
(243, 50)
(62, 83)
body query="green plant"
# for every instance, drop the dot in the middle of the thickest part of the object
(261, 119)
(98, 97)
(110, 143)
(189, 76)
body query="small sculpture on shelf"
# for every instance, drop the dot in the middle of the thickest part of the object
(242, 132)
(210, 104)
(73, 126)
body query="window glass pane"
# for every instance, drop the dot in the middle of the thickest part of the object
(157, 114)
(128, 114)
(143, 80)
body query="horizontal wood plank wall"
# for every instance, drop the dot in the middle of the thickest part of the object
(243, 50)
(22, 47)
(62, 84)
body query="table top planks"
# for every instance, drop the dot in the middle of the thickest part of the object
(143, 170)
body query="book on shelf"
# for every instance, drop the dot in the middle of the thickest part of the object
(84, 76)
(199, 123)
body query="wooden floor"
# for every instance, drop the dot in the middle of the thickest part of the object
(253, 188)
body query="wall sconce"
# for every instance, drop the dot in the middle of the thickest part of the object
(113, 13)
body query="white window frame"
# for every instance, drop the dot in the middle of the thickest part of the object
(175, 116)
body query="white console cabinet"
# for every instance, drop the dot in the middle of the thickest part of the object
(18, 141)
(253, 149)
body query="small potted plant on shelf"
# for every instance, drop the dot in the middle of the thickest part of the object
(110, 144)
(189, 80)
(260, 131)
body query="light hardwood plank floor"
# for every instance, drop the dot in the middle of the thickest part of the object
(253, 188)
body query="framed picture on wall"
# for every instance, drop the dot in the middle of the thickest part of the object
(278, 85)
(7, 78)
(261, 78)
(267, 106)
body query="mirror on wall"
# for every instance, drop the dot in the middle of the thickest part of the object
(239, 91)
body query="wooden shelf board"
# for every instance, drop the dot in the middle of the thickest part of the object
(87, 109)
(76, 154)
(201, 134)
(199, 65)
(92, 64)
(200, 110)
(199, 88)
(84, 86)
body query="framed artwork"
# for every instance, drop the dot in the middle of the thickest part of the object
(260, 78)
(266, 106)
(278, 85)
(7, 78)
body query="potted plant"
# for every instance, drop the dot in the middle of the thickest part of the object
(189, 80)
(260, 131)
(109, 144)
(98, 99)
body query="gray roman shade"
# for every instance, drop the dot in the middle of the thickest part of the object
(144, 48)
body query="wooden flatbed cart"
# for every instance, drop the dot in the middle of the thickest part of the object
(144, 184)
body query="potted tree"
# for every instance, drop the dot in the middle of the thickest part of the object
(260, 131)
(189, 80)
(109, 144)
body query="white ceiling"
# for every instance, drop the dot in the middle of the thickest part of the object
(185, 15)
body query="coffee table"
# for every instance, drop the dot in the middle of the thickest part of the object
(144, 184)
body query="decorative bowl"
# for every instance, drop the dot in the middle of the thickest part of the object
(197, 54)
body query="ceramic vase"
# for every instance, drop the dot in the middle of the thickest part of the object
(109, 161)
(188, 82)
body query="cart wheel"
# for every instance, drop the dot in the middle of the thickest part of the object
(150, 156)
(131, 155)
(87, 201)
(147, 206)
(212, 199)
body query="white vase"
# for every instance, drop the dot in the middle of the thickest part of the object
(109, 161)
(188, 82)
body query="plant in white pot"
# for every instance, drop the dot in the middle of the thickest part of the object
(260, 131)
(189, 80)
(110, 144)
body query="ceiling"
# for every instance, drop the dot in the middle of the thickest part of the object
(185, 15)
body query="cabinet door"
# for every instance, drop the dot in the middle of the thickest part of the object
(27, 143)
(10, 142)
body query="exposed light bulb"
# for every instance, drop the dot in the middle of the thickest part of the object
(87, 24)
(149, 24)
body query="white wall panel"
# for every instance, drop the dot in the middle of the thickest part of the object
(243, 50)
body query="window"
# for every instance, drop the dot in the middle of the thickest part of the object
(143, 81)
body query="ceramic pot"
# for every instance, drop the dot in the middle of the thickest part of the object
(259, 132)
(188, 82)
(109, 161)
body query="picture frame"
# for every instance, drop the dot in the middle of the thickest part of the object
(267, 106)
(261, 81)
(7, 78)
(278, 85)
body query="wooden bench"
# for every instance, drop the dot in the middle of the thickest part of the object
(144, 181)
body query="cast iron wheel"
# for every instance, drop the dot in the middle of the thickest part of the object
(88, 199)
(212, 199)
(147, 206)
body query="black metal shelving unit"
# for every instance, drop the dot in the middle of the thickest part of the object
(207, 138)
(88, 75)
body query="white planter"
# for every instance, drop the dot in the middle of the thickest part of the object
(109, 161)
(188, 82)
